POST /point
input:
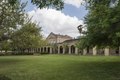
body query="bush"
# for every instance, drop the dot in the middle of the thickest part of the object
(22, 53)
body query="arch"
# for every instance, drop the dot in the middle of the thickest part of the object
(89, 50)
(45, 49)
(48, 50)
(42, 50)
(38, 49)
(73, 49)
(61, 49)
(117, 51)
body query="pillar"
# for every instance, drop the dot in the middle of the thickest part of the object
(39, 50)
(69, 49)
(43, 50)
(107, 51)
(94, 51)
(50, 50)
(76, 50)
(58, 50)
(31, 50)
(63, 50)
(84, 51)
(46, 49)
(36, 50)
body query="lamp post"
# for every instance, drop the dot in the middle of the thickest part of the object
(80, 29)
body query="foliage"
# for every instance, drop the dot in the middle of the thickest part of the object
(28, 36)
(103, 23)
(10, 17)
(15, 31)
(5, 45)
(58, 4)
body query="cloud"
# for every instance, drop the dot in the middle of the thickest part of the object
(56, 21)
(76, 3)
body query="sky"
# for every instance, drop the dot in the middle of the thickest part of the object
(63, 22)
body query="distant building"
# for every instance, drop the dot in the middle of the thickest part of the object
(60, 44)
(64, 44)
(57, 38)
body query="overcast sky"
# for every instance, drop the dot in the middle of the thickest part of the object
(59, 22)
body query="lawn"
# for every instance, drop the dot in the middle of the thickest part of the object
(60, 67)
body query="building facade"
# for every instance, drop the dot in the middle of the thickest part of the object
(64, 44)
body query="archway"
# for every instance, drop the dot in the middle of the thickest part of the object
(73, 49)
(48, 50)
(61, 49)
(117, 51)
(44, 49)
(89, 50)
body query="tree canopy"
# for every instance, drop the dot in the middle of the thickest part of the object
(57, 4)
(103, 23)
(10, 17)
(28, 36)
(16, 29)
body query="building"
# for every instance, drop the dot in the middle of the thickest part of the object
(59, 44)
(64, 44)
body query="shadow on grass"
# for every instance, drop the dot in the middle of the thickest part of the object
(3, 77)
(8, 62)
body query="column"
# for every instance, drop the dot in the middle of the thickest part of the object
(50, 50)
(43, 50)
(46, 49)
(39, 50)
(36, 49)
(107, 51)
(58, 50)
(76, 50)
(84, 51)
(63, 50)
(94, 51)
(31, 50)
(69, 49)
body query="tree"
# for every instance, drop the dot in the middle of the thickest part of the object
(10, 17)
(27, 37)
(103, 23)
(58, 4)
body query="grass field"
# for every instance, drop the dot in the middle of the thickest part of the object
(60, 67)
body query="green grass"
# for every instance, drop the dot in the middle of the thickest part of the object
(60, 67)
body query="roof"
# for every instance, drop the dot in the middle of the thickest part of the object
(69, 41)
(59, 35)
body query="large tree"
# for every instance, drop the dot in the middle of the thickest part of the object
(27, 37)
(103, 23)
(11, 16)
